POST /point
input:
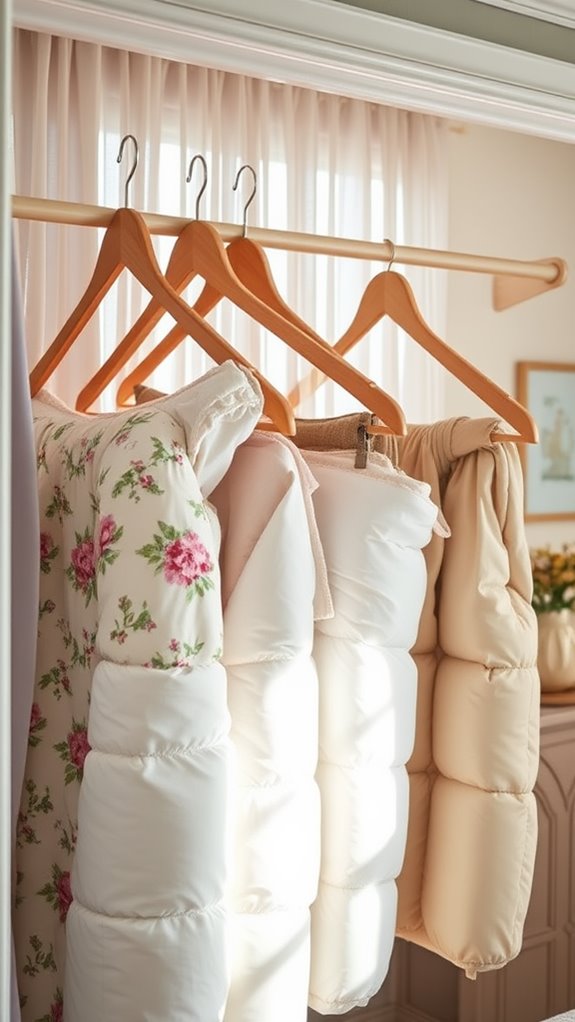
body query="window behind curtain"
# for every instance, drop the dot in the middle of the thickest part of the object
(325, 164)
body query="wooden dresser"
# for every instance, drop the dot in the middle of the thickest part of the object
(540, 982)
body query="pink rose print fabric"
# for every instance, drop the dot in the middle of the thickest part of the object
(186, 561)
(128, 563)
(82, 568)
(182, 557)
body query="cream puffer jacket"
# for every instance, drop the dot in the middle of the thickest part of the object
(373, 522)
(274, 586)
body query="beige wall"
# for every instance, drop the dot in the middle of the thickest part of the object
(510, 195)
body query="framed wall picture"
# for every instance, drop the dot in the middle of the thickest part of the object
(547, 389)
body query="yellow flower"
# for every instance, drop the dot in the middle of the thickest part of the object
(553, 577)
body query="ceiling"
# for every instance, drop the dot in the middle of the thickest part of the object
(494, 22)
(362, 49)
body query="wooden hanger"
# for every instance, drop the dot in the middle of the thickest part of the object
(251, 266)
(145, 323)
(390, 294)
(200, 249)
(127, 245)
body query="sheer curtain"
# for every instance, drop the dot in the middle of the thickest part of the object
(325, 164)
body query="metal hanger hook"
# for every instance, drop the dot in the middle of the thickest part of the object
(388, 241)
(193, 160)
(246, 166)
(134, 164)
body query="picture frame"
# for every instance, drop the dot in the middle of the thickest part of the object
(547, 390)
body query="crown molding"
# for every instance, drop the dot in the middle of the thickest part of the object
(558, 12)
(333, 47)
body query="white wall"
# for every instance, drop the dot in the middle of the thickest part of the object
(510, 195)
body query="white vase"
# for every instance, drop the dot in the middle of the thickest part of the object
(556, 650)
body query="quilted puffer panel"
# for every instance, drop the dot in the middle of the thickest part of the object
(486, 731)
(476, 926)
(269, 876)
(373, 524)
(410, 880)
(145, 949)
(269, 702)
(142, 799)
(421, 757)
(342, 969)
(422, 772)
(268, 947)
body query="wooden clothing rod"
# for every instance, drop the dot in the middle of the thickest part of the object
(530, 277)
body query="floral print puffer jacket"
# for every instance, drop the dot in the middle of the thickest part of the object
(122, 838)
